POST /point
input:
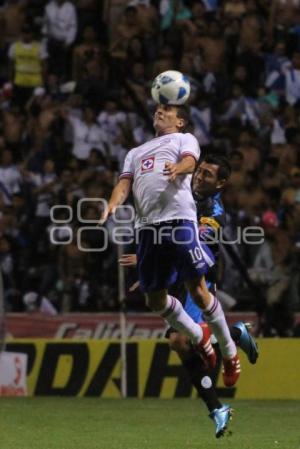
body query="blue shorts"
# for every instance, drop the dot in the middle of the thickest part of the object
(170, 252)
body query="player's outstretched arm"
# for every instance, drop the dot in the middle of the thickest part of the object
(184, 167)
(118, 196)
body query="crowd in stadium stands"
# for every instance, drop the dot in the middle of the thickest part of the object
(75, 82)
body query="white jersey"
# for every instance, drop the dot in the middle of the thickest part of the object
(156, 198)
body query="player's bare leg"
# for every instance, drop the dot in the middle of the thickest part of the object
(215, 317)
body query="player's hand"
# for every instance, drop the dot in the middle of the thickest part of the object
(128, 260)
(171, 170)
(109, 210)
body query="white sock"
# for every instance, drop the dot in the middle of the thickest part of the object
(216, 320)
(177, 317)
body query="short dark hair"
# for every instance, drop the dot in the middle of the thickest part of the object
(183, 112)
(222, 162)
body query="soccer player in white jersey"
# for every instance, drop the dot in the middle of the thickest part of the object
(168, 247)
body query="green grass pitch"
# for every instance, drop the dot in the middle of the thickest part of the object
(92, 423)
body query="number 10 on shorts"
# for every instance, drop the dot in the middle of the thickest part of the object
(196, 254)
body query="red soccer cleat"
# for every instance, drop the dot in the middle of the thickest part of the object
(231, 370)
(205, 347)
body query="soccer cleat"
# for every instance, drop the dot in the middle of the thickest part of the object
(221, 417)
(231, 370)
(206, 348)
(247, 342)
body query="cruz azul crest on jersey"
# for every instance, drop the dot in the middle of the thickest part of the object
(147, 164)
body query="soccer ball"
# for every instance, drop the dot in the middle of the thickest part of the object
(170, 87)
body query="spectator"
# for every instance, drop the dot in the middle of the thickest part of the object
(272, 270)
(277, 60)
(282, 18)
(89, 14)
(34, 302)
(147, 14)
(212, 48)
(252, 157)
(43, 191)
(28, 65)
(164, 61)
(251, 199)
(7, 269)
(292, 81)
(86, 134)
(96, 166)
(60, 28)
(88, 50)
(237, 177)
(110, 118)
(69, 190)
(136, 52)
(13, 17)
(137, 80)
(72, 263)
(172, 11)
(128, 28)
(243, 107)
(291, 194)
(234, 9)
(201, 115)
(250, 34)
(13, 129)
(10, 177)
(95, 81)
(272, 178)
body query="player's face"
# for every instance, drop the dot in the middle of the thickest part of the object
(206, 180)
(166, 120)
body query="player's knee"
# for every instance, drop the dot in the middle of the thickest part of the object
(198, 296)
(156, 303)
(199, 300)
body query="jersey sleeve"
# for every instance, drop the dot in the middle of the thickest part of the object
(128, 169)
(189, 146)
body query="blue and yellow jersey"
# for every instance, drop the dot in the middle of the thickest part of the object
(211, 218)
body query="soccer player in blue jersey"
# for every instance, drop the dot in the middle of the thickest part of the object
(209, 179)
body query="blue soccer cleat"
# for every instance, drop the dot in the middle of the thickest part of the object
(247, 342)
(221, 417)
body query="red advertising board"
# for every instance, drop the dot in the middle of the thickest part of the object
(94, 325)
